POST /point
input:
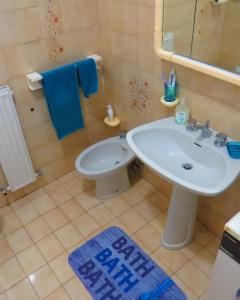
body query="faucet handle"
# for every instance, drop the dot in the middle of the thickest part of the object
(191, 126)
(207, 123)
(220, 140)
(123, 134)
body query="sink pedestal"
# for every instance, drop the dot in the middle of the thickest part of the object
(179, 229)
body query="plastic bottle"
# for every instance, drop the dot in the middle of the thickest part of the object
(182, 113)
(110, 113)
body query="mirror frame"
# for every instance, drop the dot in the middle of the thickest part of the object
(185, 61)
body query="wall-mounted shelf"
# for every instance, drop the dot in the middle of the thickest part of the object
(34, 80)
(113, 123)
(169, 104)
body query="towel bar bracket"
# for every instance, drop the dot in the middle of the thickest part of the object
(34, 80)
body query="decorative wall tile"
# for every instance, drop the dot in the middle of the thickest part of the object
(54, 29)
(138, 88)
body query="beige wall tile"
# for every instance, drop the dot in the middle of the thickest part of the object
(30, 24)
(71, 14)
(9, 30)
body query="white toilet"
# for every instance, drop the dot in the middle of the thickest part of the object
(106, 162)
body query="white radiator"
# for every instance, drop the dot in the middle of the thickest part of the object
(14, 156)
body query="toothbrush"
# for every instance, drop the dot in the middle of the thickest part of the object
(163, 77)
(172, 78)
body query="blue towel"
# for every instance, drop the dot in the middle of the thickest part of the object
(62, 95)
(88, 77)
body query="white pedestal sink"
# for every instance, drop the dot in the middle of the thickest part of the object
(195, 168)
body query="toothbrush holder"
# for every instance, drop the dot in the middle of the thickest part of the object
(170, 93)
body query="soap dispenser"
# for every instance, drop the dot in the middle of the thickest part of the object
(110, 113)
(182, 113)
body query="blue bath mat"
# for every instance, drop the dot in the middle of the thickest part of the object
(114, 267)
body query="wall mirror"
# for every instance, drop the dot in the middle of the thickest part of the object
(200, 34)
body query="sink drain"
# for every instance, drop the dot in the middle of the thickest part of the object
(187, 166)
(117, 162)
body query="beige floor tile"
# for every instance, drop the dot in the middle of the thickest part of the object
(159, 200)
(117, 223)
(189, 293)
(5, 210)
(102, 214)
(150, 237)
(132, 220)
(86, 225)
(59, 195)
(65, 178)
(10, 223)
(194, 278)
(79, 244)
(52, 186)
(132, 196)
(31, 259)
(75, 288)
(203, 297)
(44, 282)
(38, 229)
(27, 213)
(72, 209)
(59, 294)
(75, 186)
(61, 268)
(156, 259)
(117, 205)
(5, 250)
(159, 223)
(19, 203)
(139, 242)
(145, 188)
(202, 235)
(4, 296)
(173, 259)
(192, 249)
(87, 200)
(147, 210)
(205, 261)
(22, 291)
(43, 204)
(55, 219)
(19, 240)
(214, 245)
(37, 193)
(10, 273)
(50, 247)
(68, 235)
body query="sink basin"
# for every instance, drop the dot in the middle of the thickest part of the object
(195, 168)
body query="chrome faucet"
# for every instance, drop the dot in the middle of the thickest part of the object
(206, 132)
(123, 134)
